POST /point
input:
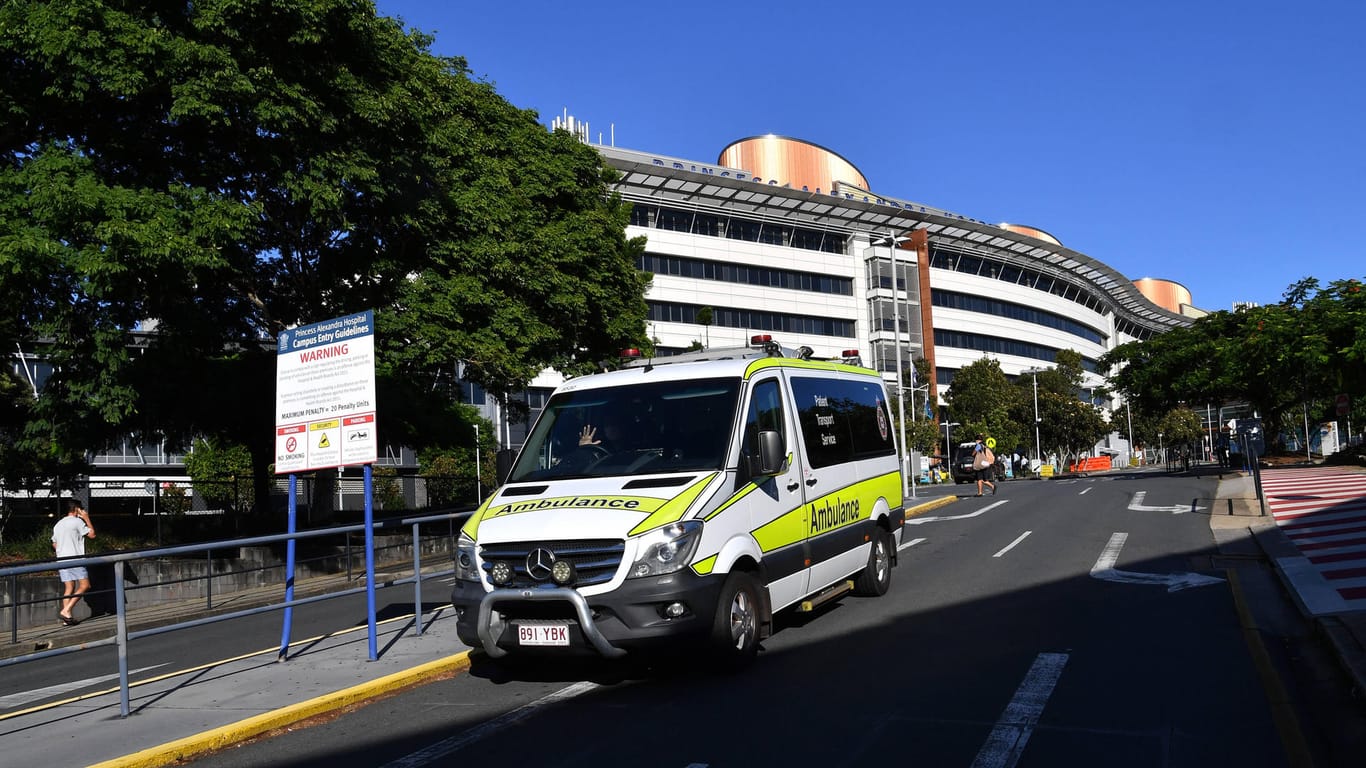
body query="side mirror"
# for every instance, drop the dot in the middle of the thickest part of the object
(503, 464)
(771, 456)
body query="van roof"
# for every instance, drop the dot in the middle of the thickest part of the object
(760, 346)
(740, 362)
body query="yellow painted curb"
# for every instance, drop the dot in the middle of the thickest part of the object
(921, 509)
(217, 738)
(1287, 723)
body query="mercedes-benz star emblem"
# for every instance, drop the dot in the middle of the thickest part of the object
(538, 563)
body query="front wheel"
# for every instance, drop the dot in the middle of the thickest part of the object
(735, 631)
(876, 577)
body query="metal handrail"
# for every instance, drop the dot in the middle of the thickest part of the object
(122, 634)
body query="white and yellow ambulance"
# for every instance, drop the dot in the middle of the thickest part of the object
(684, 500)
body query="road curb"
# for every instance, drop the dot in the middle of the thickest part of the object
(920, 509)
(228, 735)
(1278, 698)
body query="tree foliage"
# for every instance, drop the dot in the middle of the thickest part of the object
(1282, 359)
(922, 432)
(220, 171)
(984, 401)
(222, 475)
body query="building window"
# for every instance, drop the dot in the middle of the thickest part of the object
(701, 269)
(986, 306)
(998, 346)
(736, 228)
(778, 322)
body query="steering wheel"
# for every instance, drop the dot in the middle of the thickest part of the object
(596, 452)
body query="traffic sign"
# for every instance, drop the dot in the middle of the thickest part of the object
(1343, 404)
(324, 387)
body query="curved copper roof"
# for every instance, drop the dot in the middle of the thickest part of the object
(785, 161)
(1167, 294)
(1034, 232)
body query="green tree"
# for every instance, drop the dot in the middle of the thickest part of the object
(1283, 359)
(1067, 426)
(443, 477)
(222, 474)
(705, 316)
(1181, 427)
(983, 401)
(388, 492)
(175, 500)
(223, 170)
(922, 433)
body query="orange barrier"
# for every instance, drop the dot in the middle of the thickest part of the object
(1092, 464)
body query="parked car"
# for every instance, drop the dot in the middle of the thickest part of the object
(962, 465)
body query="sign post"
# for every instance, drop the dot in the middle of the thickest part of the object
(325, 418)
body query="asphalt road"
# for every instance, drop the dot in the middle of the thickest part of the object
(1058, 623)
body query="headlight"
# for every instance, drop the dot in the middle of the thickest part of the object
(665, 550)
(466, 563)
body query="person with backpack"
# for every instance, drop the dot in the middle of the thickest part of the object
(983, 465)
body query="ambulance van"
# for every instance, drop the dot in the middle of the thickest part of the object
(683, 501)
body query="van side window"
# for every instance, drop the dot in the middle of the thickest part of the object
(765, 412)
(842, 420)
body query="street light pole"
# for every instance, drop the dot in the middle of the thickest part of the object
(948, 446)
(900, 389)
(1130, 414)
(1038, 449)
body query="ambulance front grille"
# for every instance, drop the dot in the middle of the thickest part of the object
(595, 561)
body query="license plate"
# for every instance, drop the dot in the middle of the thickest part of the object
(543, 634)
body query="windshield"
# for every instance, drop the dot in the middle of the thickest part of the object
(667, 426)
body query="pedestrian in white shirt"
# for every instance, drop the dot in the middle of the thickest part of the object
(68, 539)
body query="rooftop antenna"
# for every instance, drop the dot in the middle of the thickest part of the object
(579, 128)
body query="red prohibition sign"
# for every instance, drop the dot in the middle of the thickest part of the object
(291, 444)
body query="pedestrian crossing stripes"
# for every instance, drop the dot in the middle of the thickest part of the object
(1323, 512)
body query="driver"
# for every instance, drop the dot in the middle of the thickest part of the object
(612, 431)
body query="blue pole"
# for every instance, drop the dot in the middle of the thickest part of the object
(370, 563)
(289, 566)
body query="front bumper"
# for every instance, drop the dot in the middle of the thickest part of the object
(608, 624)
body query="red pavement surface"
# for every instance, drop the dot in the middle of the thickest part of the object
(1323, 513)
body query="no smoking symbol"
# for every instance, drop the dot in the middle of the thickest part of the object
(291, 444)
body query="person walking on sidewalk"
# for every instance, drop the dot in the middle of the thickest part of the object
(68, 539)
(983, 465)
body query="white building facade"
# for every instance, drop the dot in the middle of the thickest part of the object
(811, 265)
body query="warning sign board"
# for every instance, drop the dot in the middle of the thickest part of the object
(325, 395)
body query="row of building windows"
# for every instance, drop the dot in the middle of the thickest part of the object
(773, 233)
(752, 319)
(736, 228)
(998, 346)
(702, 269)
(972, 264)
(944, 378)
(985, 306)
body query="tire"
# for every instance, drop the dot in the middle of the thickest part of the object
(735, 630)
(876, 577)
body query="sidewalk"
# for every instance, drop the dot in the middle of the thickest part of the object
(1240, 530)
(214, 707)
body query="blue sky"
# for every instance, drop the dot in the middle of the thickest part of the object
(1218, 144)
